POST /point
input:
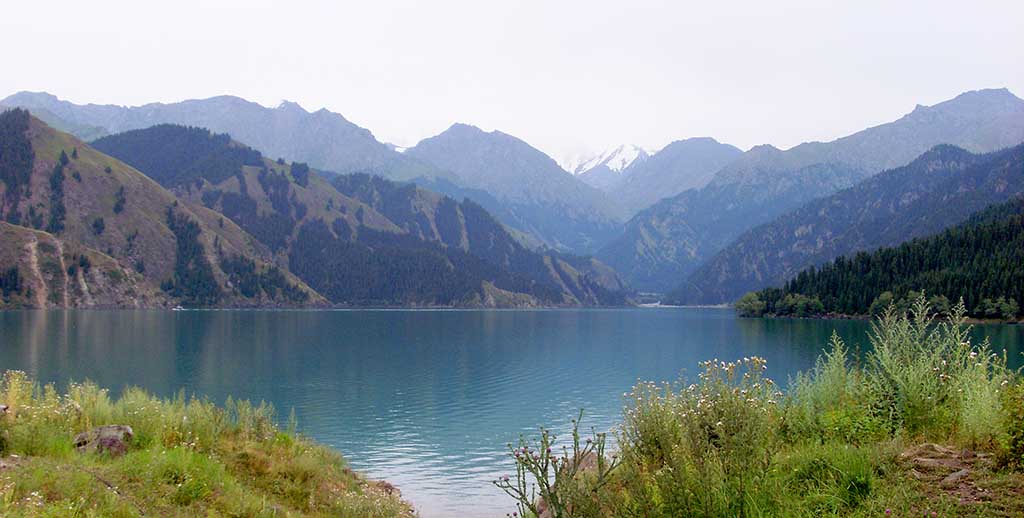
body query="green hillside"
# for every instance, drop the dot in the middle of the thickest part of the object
(980, 261)
(83, 199)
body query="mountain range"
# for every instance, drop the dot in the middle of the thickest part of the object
(200, 219)
(323, 139)
(660, 220)
(942, 187)
(330, 143)
(665, 243)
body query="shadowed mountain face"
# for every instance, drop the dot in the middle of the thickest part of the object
(665, 243)
(537, 196)
(939, 189)
(469, 227)
(362, 240)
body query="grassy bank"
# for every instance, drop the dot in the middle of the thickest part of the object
(927, 424)
(185, 457)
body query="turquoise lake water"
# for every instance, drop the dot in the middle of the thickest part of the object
(424, 399)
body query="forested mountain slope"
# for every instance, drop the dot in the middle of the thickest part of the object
(980, 261)
(68, 204)
(940, 188)
(398, 249)
(469, 227)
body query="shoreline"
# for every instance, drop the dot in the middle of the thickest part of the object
(841, 316)
(145, 455)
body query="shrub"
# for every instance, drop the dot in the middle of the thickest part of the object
(750, 305)
(119, 200)
(1012, 453)
(929, 379)
(704, 449)
(832, 402)
(564, 482)
(721, 447)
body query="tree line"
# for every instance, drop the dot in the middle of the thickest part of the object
(980, 261)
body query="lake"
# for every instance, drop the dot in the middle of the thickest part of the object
(424, 399)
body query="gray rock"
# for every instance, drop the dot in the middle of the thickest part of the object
(111, 439)
(954, 478)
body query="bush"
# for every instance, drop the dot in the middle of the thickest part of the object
(721, 447)
(750, 305)
(832, 402)
(566, 481)
(119, 200)
(704, 449)
(1012, 453)
(929, 379)
(831, 479)
(799, 305)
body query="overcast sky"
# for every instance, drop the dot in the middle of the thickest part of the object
(567, 77)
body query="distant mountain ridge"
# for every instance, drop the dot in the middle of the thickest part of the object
(329, 142)
(637, 179)
(665, 243)
(539, 197)
(616, 159)
(680, 166)
(324, 139)
(939, 189)
(605, 171)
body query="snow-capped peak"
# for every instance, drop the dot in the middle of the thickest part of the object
(616, 159)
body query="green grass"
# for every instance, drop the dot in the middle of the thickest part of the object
(188, 457)
(852, 437)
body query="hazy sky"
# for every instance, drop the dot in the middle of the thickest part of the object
(565, 76)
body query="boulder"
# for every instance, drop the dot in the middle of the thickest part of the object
(111, 439)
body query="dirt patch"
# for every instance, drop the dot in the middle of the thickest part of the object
(952, 471)
(968, 480)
